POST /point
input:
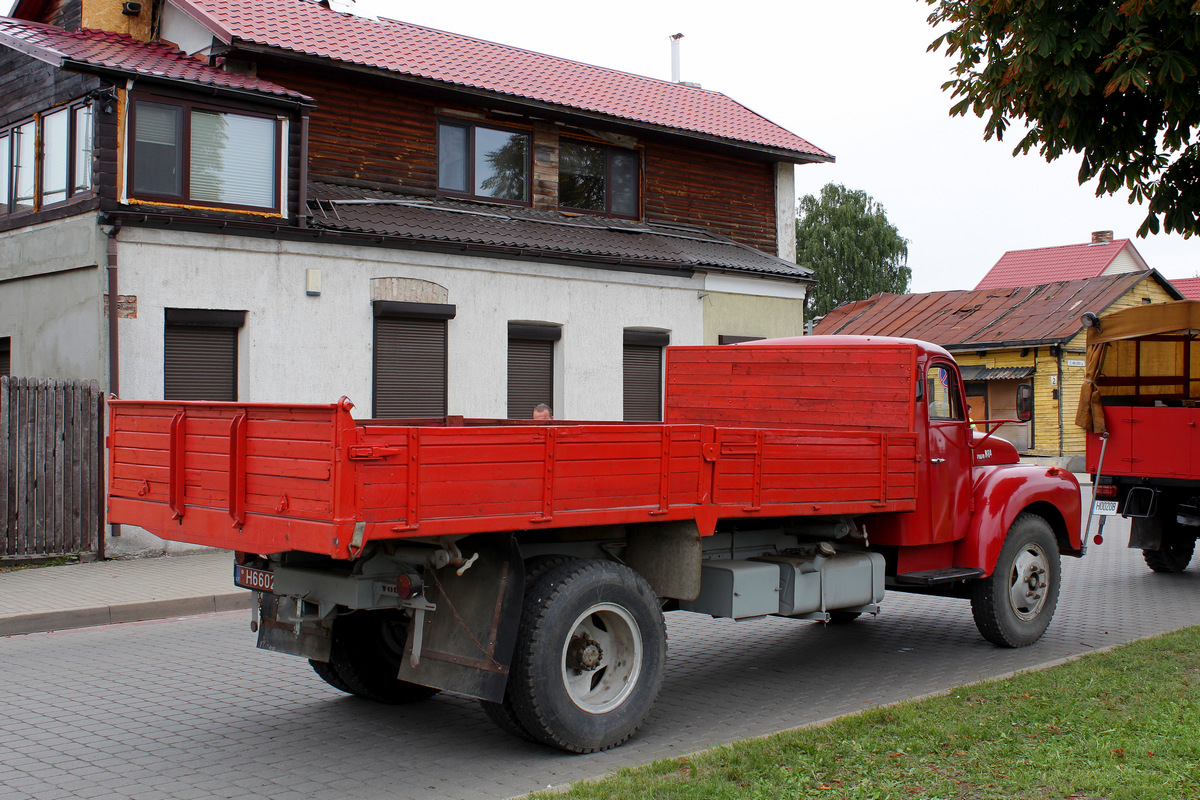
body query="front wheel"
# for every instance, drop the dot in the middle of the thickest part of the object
(589, 658)
(1013, 606)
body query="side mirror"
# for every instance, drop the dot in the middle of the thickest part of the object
(1024, 402)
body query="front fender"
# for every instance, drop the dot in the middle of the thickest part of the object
(1003, 492)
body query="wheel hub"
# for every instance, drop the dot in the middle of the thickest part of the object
(584, 654)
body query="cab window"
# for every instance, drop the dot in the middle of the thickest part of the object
(941, 390)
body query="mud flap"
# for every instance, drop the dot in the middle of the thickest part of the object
(308, 639)
(466, 644)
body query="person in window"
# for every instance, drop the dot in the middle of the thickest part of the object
(543, 411)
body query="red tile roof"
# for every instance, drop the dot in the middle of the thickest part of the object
(1048, 264)
(1013, 317)
(1188, 287)
(306, 27)
(121, 52)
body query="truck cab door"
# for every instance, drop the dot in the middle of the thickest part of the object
(948, 458)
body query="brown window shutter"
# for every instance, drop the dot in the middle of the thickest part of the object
(410, 367)
(200, 363)
(643, 383)
(530, 376)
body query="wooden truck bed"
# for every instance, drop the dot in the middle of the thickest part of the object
(269, 478)
(1149, 442)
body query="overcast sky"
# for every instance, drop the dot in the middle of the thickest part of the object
(854, 78)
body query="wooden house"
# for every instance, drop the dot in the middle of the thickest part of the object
(1004, 337)
(270, 200)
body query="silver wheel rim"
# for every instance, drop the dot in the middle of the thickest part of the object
(602, 658)
(1029, 581)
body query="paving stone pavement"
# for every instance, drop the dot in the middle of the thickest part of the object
(189, 708)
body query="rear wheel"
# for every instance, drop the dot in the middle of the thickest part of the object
(1013, 606)
(1174, 556)
(589, 658)
(502, 713)
(843, 617)
(365, 657)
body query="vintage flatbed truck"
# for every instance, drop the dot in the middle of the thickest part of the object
(527, 564)
(1141, 408)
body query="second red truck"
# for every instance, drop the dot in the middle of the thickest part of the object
(528, 564)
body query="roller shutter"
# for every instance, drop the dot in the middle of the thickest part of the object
(410, 367)
(530, 376)
(643, 376)
(200, 363)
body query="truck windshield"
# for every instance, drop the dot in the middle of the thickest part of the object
(941, 389)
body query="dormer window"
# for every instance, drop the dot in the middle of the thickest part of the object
(186, 153)
(599, 178)
(483, 162)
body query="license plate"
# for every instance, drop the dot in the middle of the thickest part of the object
(1105, 508)
(260, 580)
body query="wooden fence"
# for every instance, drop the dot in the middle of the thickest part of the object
(51, 468)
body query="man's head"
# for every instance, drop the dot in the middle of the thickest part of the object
(542, 411)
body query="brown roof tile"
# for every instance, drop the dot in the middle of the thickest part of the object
(489, 228)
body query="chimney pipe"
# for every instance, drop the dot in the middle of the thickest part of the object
(675, 57)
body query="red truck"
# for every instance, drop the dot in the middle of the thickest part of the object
(528, 564)
(1141, 408)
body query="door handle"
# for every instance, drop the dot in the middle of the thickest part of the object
(937, 461)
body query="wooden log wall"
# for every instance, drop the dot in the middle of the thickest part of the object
(51, 468)
(372, 133)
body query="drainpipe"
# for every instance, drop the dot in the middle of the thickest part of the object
(1061, 396)
(114, 370)
(113, 350)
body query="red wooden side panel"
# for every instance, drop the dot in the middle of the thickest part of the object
(1151, 442)
(227, 474)
(847, 387)
(504, 478)
(854, 472)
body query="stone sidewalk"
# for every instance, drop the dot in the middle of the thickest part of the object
(105, 592)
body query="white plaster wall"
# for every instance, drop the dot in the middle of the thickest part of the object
(296, 348)
(56, 325)
(785, 210)
(51, 299)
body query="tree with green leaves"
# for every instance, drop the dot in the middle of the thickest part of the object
(845, 237)
(1117, 81)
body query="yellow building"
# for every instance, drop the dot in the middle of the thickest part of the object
(1005, 337)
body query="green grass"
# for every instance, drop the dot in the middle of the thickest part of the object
(1123, 724)
(46, 561)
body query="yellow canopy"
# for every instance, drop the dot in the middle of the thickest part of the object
(1114, 351)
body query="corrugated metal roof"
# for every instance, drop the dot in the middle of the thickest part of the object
(121, 52)
(1029, 315)
(978, 373)
(1041, 265)
(537, 234)
(306, 27)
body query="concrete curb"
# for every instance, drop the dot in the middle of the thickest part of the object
(45, 621)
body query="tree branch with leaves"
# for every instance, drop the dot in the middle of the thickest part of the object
(1116, 82)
